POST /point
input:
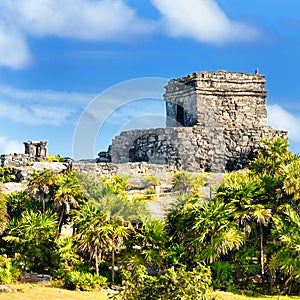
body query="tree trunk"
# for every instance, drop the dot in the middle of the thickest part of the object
(44, 205)
(262, 253)
(59, 227)
(96, 260)
(113, 264)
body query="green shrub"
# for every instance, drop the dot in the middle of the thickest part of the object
(117, 184)
(9, 271)
(149, 193)
(172, 285)
(55, 158)
(76, 280)
(7, 174)
(222, 274)
(151, 181)
(185, 182)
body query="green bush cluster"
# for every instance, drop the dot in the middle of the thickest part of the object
(55, 158)
(7, 174)
(9, 270)
(78, 280)
(171, 285)
(186, 182)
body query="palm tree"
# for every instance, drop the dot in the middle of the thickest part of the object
(34, 236)
(92, 231)
(291, 178)
(214, 232)
(3, 216)
(207, 230)
(184, 182)
(67, 196)
(118, 230)
(96, 232)
(262, 215)
(248, 195)
(147, 247)
(41, 186)
(285, 244)
(94, 187)
(18, 202)
(272, 153)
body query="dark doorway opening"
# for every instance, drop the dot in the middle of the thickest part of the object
(180, 114)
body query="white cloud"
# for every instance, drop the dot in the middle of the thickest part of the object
(39, 115)
(41, 107)
(279, 118)
(80, 19)
(83, 19)
(10, 146)
(109, 20)
(202, 20)
(14, 51)
(43, 96)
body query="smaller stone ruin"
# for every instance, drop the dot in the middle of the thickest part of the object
(34, 151)
(37, 149)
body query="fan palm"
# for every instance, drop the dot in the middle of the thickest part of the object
(117, 231)
(92, 231)
(262, 215)
(271, 155)
(34, 235)
(67, 196)
(214, 232)
(41, 186)
(207, 230)
(150, 246)
(292, 179)
(286, 243)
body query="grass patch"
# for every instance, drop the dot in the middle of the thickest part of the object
(231, 296)
(36, 292)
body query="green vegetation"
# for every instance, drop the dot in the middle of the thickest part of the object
(244, 240)
(55, 158)
(186, 182)
(7, 174)
(151, 181)
(3, 213)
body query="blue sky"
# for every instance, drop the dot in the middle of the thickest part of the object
(56, 56)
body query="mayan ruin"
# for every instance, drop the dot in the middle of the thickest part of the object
(215, 121)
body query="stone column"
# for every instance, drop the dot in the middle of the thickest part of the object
(29, 148)
(43, 149)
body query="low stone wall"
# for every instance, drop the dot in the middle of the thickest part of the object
(192, 148)
(16, 160)
(130, 169)
(24, 171)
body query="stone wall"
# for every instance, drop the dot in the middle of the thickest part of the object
(192, 148)
(130, 169)
(160, 146)
(16, 160)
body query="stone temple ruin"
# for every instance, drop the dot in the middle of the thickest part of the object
(34, 151)
(215, 121)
